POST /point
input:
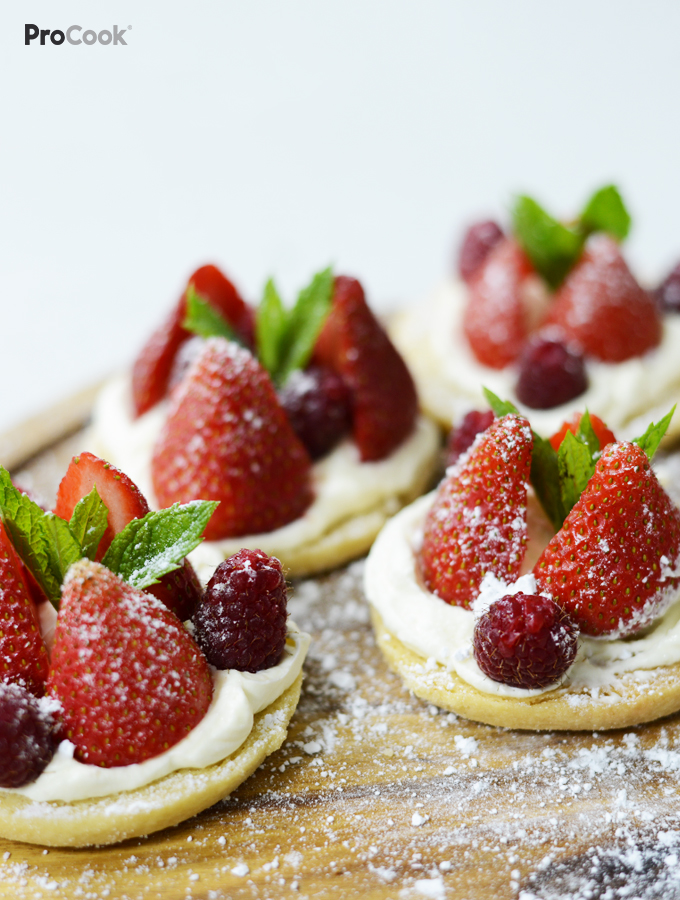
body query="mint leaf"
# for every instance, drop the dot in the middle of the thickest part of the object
(546, 481)
(605, 211)
(88, 522)
(64, 549)
(148, 548)
(651, 439)
(204, 320)
(24, 522)
(305, 322)
(552, 247)
(270, 327)
(587, 436)
(576, 466)
(500, 407)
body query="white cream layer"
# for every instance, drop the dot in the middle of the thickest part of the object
(237, 697)
(627, 395)
(443, 634)
(343, 485)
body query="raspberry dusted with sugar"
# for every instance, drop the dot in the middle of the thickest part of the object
(318, 405)
(461, 438)
(479, 241)
(667, 295)
(477, 523)
(241, 621)
(525, 641)
(27, 736)
(550, 374)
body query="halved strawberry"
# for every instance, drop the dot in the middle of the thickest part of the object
(152, 368)
(354, 344)
(495, 321)
(477, 523)
(602, 433)
(130, 679)
(23, 655)
(227, 438)
(601, 307)
(614, 563)
(120, 494)
(180, 590)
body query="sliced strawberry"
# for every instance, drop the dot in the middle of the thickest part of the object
(120, 494)
(477, 523)
(23, 655)
(611, 564)
(355, 345)
(603, 309)
(152, 368)
(180, 590)
(227, 438)
(602, 433)
(130, 679)
(495, 319)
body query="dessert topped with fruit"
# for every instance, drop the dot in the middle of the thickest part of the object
(117, 670)
(539, 581)
(551, 315)
(303, 423)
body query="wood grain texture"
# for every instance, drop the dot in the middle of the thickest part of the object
(377, 795)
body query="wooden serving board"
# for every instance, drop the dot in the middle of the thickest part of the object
(375, 795)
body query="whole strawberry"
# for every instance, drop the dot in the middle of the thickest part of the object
(525, 641)
(603, 309)
(23, 655)
(613, 566)
(241, 621)
(227, 438)
(477, 523)
(130, 679)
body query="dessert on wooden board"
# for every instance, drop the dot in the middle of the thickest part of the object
(539, 586)
(551, 316)
(304, 422)
(130, 699)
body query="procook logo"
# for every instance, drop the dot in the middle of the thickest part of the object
(75, 35)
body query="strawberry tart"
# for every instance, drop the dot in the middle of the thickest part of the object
(302, 422)
(118, 718)
(551, 316)
(537, 588)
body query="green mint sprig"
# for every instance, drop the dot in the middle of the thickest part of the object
(286, 338)
(144, 551)
(560, 477)
(554, 248)
(202, 319)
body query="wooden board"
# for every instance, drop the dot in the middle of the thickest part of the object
(375, 795)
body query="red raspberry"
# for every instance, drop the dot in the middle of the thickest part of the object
(550, 374)
(525, 640)
(462, 437)
(241, 620)
(478, 242)
(27, 736)
(317, 403)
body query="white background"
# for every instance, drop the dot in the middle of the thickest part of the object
(274, 137)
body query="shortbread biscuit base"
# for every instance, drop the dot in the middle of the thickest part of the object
(161, 804)
(636, 697)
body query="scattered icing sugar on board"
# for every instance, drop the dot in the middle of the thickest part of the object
(379, 794)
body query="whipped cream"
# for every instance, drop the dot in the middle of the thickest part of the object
(443, 633)
(626, 395)
(344, 486)
(237, 697)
